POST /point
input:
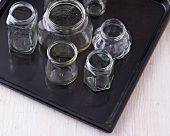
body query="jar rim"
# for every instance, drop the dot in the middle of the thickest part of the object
(22, 4)
(99, 51)
(66, 63)
(111, 21)
(56, 3)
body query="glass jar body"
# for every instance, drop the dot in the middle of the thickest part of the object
(22, 32)
(80, 35)
(95, 7)
(62, 68)
(61, 75)
(113, 37)
(98, 70)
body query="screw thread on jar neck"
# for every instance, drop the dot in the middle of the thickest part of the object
(113, 29)
(65, 29)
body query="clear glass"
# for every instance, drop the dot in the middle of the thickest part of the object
(113, 37)
(66, 20)
(22, 27)
(61, 67)
(98, 70)
(95, 7)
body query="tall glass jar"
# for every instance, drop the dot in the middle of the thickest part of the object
(22, 27)
(66, 20)
(61, 67)
(95, 7)
(113, 37)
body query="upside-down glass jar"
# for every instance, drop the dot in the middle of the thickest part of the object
(98, 70)
(61, 67)
(113, 37)
(22, 27)
(66, 20)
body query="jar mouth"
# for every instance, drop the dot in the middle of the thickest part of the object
(113, 29)
(102, 64)
(23, 8)
(61, 10)
(62, 53)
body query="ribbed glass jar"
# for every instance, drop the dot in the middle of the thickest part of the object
(98, 70)
(61, 67)
(113, 37)
(22, 27)
(66, 20)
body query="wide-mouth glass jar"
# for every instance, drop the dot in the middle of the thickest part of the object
(66, 20)
(61, 67)
(113, 37)
(22, 27)
(98, 70)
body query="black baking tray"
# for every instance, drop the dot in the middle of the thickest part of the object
(3, 4)
(145, 20)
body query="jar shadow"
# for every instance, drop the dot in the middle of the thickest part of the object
(94, 98)
(22, 66)
(60, 89)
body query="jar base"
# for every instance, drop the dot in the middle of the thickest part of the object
(23, 52)
(124, 53)
(63, 83)
(95, 90)
(95, 9)
(85, 47)
(96, 15)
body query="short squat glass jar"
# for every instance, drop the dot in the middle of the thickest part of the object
(113, 37)
(66, 20)
(95, 7)
(98, 70)
(22, 27)
(61, 67)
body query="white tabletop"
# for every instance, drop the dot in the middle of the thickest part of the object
(147, 112)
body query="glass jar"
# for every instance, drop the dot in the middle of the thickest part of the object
(95, 7)
(61, 67)
(113, 37)
(22, 27)
(98, 70)
(66, 20)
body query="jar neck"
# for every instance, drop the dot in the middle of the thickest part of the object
(13, 20)
(96, 70)
(65, 63)
(116, 28)
(64, 29)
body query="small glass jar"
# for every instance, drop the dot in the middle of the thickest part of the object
(113, 37)
(22, 27)
(95, 7)
(66, 20)
(98, 70)
(61, 67)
